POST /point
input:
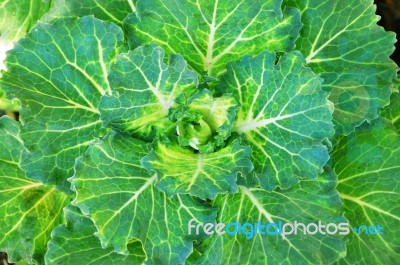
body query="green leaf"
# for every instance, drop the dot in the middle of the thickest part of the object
(204, 122)
(308, 202)
(75, 243)
(17, 17)
(59, 73)
(342, 43)
(284, 117)
(368, 166)
(217, 112)
(211, 33)
(144, 88)
(392, 112)
(115, 10)
(201, 175)
(212, 253)
(22, 262)
(29, 210)
(120, 197)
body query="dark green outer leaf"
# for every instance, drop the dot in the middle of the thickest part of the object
(59, 72)
(392, 112)
(342, 43)
(17, 17)
(368, 166)
(309, 201)
(29, 211)
(284, 116)
(75, 243)
(120, 197)
(115, 10)
(212, 253)
(211, 33)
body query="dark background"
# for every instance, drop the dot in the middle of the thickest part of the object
(389, 10)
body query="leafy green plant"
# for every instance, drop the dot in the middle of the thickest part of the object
(138, 117)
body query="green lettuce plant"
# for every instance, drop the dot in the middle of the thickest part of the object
(138, 117)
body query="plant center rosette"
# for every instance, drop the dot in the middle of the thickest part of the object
(204, 122)
(200, 148)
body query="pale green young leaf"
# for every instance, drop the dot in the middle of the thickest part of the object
(8, 105)
(29, 210)
(211, 33)
(181, 171)
(284, 116)
(343, 44)
(368, 166)
(203, 121)
(144, 89)
(59, 72)
(217, 112)
(75, 243)
(119, 196)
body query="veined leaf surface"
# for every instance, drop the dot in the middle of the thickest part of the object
(211, 33)
(144, 89)
(119, 196)
(310, 201)
(75, 243)
(392, 112)
(181, 171)
(368, 166)
(115, 10)
(212, 253)
(59, 72)
(284, 115)
(16, 19)
(342, 43)
(29, 210)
